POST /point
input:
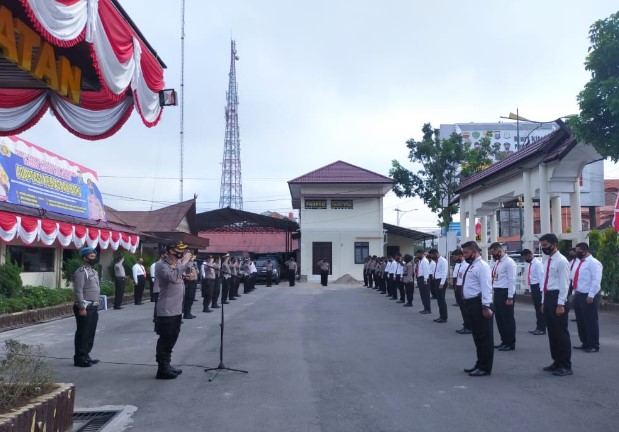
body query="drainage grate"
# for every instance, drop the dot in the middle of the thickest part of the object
(92, 421)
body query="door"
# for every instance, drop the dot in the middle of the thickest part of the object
(321, 250)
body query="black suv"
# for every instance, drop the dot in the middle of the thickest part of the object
(277, 268)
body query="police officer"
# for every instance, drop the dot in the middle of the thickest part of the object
(268, 270)
(292, 271)
(119, 282)
(423, 279)
(460, 267)
(408, 278)
(169, 277)
(208, 284)
(323, 265)
(586, 281)
(191, 283)
(85, 308)
(535, 277)
(504, 287)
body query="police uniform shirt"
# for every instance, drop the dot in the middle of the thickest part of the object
(589, 276)
(119, 270)
(558, 277)
(323, 265)
(504, 275)
(153, 273)
(409, 272)
(85, 286)
(459, 270)
(536, 272)
(440, 270)
(424, 268)
(169, 276)
(478, 281)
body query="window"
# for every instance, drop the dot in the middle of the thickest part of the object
(33, 259)
(362, 250)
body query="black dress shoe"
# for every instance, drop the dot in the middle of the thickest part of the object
(82, 364)
(207, 310)
(579, 347)
(175, 370)
(507, 348)
(478, 373)
(225, 302)
(408, 305)
(550, 368)
(499, 346)
(165, 374)
(470, 370)
(215, 306)
(119, 307)
(92, 361)
(425, 312)
(188, 316)
(440, 321)
(563, 372)
(231, 298)
(591, 350)
(400, 301)
(463, 331)
(537, 332)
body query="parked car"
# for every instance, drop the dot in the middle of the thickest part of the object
(277, 268)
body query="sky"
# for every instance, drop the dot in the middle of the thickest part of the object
(326, 80)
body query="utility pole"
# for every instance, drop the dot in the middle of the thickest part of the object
(399, 216)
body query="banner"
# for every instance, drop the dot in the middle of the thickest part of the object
(35, 177)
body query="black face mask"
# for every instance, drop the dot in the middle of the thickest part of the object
(496, 257)
(580, 255)
(92, 261)
(179, 255)
(528, 260)
(547, 251)
(470, 259)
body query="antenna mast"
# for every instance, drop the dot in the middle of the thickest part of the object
(182, 102)
(231, 192)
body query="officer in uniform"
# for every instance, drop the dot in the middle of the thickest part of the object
(292, 271)
(504, 287)
(268, 270)
(423, 279)
(408, 279)
(323, 265)
(85, 308)
(460, 267)
(191, 283)
(535, 277)
(169, 276)
(119, 282)
(587, 281)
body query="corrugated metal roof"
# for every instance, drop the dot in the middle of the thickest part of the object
(341, 172)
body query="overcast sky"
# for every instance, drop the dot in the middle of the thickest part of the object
(328, 80)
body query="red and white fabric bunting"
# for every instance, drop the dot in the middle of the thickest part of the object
(129, 73)
(30, 229)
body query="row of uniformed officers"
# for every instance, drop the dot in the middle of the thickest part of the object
(484, 291)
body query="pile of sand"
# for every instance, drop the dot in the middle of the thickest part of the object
(346, 280)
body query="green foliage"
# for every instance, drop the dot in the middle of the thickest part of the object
(607, 254)
(23, 374)
(35, 297)
(564, 247)
(107, 288)
(595, 241)
(70, 266)
(10, 279)
(443, 163)
(598, 123)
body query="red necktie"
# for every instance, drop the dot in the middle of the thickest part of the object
(529, 275)
(495, 270)
(575, 284)
(546, 278)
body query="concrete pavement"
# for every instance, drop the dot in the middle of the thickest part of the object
(341, 358)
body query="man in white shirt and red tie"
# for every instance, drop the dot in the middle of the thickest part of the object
(554, 295)
(423, 275)
(586, 284)
(460, 267)
(504, 288)
(535, 277)
(439, 280)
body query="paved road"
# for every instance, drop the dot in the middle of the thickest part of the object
(341, 358)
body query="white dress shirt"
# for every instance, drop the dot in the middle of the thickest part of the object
(390, 267)
(504, 275)
(558, 277)
(424, 268)
(431, 267)
(399, 268)
(589, 276)
(152, 271)
(459, 270)
(440, 270)
(536, 272)
(137, 270)
(478, 280)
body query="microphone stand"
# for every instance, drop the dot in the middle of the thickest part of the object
(221, 365)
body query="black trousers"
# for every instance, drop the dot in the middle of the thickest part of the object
(424, 293)
(291, 277)
(409, 290)
(400, 286)
(587, 320)
(216, 291)
(460, 300)
(440, 298)
(139, 290)
(540, 318)
(391, 289)
(190, 295)
(225, 289)
(155, 298)
(269, 277)
(371, 278)
(432, 286)
(380, 283)
(119, 291)
(505, 322)
(85, 333)
(151, 285)
(168, 329)
(324, 277)
(483, 333)
(558, 334)
(208, 286)
(365, 277)
(232, 287)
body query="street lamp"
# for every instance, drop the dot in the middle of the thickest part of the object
(519, 118)
(402, 211)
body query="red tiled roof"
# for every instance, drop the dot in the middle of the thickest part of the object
(341, 172)
(160, 220)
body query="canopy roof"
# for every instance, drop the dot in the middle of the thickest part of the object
(407, 233)
(92, 45)
(237, 220)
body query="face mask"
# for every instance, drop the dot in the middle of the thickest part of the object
(547, 251)
(580, 255)
(92, 261)
(470, 259)
(179, 255)
(529, 260)
(496, 257)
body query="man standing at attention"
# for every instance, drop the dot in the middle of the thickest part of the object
(554, 296)
(85, 308)
(139, 279)
(119, 282)
(586, 283)
(504, 287)
(323, 265)
(477, 292)
(169, 275)
(439, 280)
(292, 271)
(535, 277)
(460, 267)
(423, 275)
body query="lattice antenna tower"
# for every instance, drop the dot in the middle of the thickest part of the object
(231, 192)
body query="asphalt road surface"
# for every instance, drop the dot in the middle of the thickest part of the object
(335, 359)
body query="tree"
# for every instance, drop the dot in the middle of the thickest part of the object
(598, 123)
(444, 162)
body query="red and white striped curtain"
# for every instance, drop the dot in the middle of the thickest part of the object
(30, 229)
(122, 62)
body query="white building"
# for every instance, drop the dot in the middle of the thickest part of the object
(341, 219)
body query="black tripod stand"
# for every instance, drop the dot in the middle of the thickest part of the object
(221, 365)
